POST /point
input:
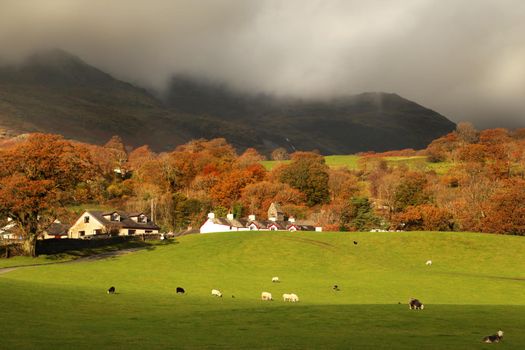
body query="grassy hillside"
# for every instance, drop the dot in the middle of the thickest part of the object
(351, 162)
(474, 288)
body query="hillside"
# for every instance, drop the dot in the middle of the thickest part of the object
(368, 121)
(56, 92)
(473, 288)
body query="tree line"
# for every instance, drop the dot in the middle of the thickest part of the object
(483, 189)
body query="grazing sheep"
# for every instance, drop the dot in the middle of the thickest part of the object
(495, 338)
(111, 290)
(294, 298)
(355, 242)
(266, 296)
(415, 304)
(287, 297)
(336, 288)
(275, 279)
(216, 293)
(180, 290)
(429, 262)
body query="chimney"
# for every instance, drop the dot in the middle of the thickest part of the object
(291, 219)
(251, 217)
(211, 215)
(229, 216)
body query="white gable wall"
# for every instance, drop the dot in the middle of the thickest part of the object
(87, 227)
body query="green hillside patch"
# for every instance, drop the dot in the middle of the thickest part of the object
(352, 163)
(474, 288)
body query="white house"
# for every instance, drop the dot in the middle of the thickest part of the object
(276, 222)
(227, 224)
(10, 230)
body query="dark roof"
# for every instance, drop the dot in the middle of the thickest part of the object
(125, 221)
(261, 224)
(226, 222)
(57, 229)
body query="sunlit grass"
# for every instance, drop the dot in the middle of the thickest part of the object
(474, 287)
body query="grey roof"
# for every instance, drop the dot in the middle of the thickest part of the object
(261, 224)
(57, 229)
(226, 222)
(125, 221)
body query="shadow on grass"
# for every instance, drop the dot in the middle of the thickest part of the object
(60, 252)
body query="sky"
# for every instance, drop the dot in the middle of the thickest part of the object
(462, 58)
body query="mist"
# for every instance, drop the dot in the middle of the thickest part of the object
(464, 59)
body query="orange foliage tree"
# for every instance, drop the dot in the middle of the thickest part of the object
(38, 177)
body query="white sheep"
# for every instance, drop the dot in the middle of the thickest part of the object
(266, 296)
(216, 293)
(275, 279)
(287, 297)
(294, 298)
(429, 262)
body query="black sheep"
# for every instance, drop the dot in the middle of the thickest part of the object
(495, 338)
(111, 290)
(415, 304)
(180, 290)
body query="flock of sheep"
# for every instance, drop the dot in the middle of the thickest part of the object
(413, 304)
(266, 296)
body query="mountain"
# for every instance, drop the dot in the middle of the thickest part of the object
(56, 92)
(368, 121)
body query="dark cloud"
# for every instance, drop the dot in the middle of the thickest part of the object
(465, 59)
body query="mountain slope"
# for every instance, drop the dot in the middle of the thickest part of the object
(56, 92)
(368, 121)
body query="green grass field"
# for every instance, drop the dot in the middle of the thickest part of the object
(475, 287)
(351, 162)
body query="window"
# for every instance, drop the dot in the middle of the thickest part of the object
(131, 232)
(149, 231)
(81, 233)
(97, 232)
(86, 219)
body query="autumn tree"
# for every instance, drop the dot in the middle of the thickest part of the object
(505, 209)
(117, 154)
(425, 217)
(249, 157)
(228, 188)
(280, 154)
(38, 177)
(466, 133)
(257, 197)
(309, 174)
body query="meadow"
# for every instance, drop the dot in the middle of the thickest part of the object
(475, 287)
(351, 162)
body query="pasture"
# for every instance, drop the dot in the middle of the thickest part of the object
(475, 286)
(351, 162)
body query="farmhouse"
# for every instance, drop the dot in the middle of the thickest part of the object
(10, 231)
(276, 222)
(56, 230)
(116, 223)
